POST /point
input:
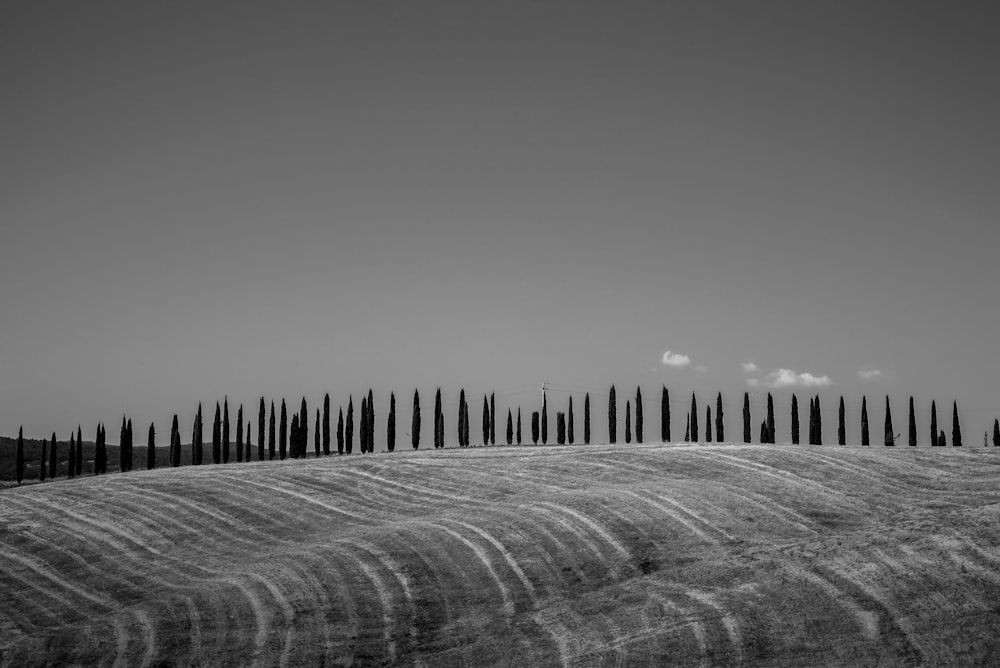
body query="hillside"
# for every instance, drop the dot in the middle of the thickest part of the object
(585, 555)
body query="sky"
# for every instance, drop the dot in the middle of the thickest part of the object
(201, 200)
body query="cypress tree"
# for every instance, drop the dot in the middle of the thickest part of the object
(249, 450)
(694, 419)
(43, 465)
(79, 450)
(175, 442)
(819, 423)
(461, 418)
(746, 417)
(956, 429)
(889, 438)
(493, 419)
(151, 448)
(510, 427)
(795, 420)
(628, 421)
(326, 424)
(128, 432)
(519, 441)
(687, 429)
(463, 415)
(545, 420)
(942, 441)
(865, 436)
(53, 457)
(225, 431)
(363, 426)
(97, 450)
(303, 429)
(415, 421)
(612, 417)
(71, 461)
(261, 421)
(842, 423)
(638, 415)
(665, 415)
(316, 439)
(560, 428)
(283, 432)
(271, 440)
(912, 425)
(720, 427)
(569, 425)
(812, 421)
(764, 436)
(390, 427)
(104, 449)
(340, 430)
(486, 421)
(349, 426)
(123, 448)
(197, 438)
(708, 423)
(996, 433)
(934, 425)
(19, 457)
(534, 427)
(371, 422)
(216, 435)
(438, 421)
(586, 420)
(770, 418)
(239, 435)
(294, 435)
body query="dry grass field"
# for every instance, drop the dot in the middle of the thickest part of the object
(583, 555)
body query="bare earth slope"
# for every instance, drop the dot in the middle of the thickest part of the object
(585, 555)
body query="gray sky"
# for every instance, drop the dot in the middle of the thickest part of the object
(289, 199)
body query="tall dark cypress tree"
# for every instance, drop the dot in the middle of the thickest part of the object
(79, 450)
(519, 441)
(71, 461)
(104, 449)
(746, 417)
(942, 441)
(628, 421)
(438, 421)
(216, 435)
(97, 450)
(249, 449)
(415, 421)
(390, 427)
(812, 421)
(510, 427)
(486, 420)
(694, 419)
(340, 430)
(151, 448)
(175, 442)
(261, 426)
(819, 422)
(225, 431)
(638, 414)
(239, 435)
(197, 438)
(764, 436)
(326, 424)
(545, 420)
(317, 444)
(303, 429)
(795, 420)
(271, 430)
(665, 415)
(294, 434)
(934, 425)
(586, 420)
(363, 426)
(560, 428)
(128, 433)
(889, 438)
(534, 427)
(612, 417)
(912, 426)
(123, 448)
(461, 418)
(53, 457)
(371, 422)
(865, 435)
(842, 423)
(770, 418)
(465, 438)
(493, 419)
(720, 426)
(708, 423)
(569, 425)
(19, 457)
(43, 462)
(956, 429)
(283, 432)
(996, 433)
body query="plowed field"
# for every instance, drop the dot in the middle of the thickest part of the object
(586, 555)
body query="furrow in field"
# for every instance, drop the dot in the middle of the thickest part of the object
(677, 514)
(507, 556)
(777, 473)
(728, 620)
(590, 524)
(260, 616)
(15, 588)
(866, 620)
(287, 613)
(148, 637)
(395, 569)
(577, 533)
(361, 519)
(58, 584)
(771, 506)
(412, 488)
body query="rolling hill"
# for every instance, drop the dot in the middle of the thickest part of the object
(578, 555)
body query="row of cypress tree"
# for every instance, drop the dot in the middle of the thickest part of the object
(293, 442)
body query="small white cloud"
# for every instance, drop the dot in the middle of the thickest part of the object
(787, 378)
(749, 367)
(701, 368)
(675, 360)
(869, 374)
